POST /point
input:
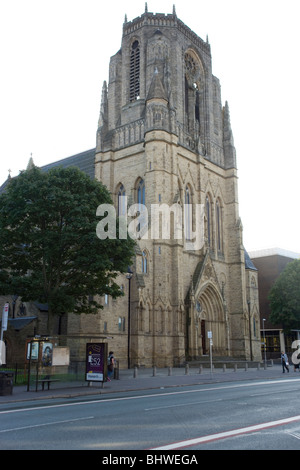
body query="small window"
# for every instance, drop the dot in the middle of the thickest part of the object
(209, 221)
(121, 201)
(141, 199)
(121, 324)
(219, 226)
(188, 213)
(144, 263)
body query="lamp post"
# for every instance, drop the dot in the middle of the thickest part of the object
(264, 340)
(129, 276)
(14, 299)
(250, 332)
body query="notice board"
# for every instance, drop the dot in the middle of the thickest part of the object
(96, 362)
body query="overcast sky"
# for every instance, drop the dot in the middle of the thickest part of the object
(55, 56)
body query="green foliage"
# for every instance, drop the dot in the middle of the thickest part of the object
(284, 297)
(49, 251)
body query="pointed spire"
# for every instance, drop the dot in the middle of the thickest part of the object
(174, 10)
(157, 90)
(30, 163)
(125, 19)
(146, 7)
(227, 124)
(104, 105)
(228, 142)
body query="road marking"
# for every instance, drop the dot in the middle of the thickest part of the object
(272, 393)
(183, 404)
(46, 424)
(154, 395)
(224, 435)
(294, 434)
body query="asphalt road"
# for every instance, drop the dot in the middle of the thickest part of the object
(248, 415)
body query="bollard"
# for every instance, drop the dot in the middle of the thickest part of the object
(116, 370)
(258, 366)
(169, 371)
(246, 366)
(235, 367)
(200, 369)
(224, 367)
(186, 369)
(135, 372)
(154, 371)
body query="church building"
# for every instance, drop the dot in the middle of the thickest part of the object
(164, 138)
(164, 145)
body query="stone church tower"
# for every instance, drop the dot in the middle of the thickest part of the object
(164, 138)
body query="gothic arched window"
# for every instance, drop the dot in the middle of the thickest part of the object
(219, 226)
(208, 221)
(144, 263)
(141, 196)
(121, 201)
(134, 82)
(188, 213)
(192, 89)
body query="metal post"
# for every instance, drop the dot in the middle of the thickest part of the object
(129, 276)
(250, 331)
(29, 367)
(265, 358)
(209, 335)
(210, 352)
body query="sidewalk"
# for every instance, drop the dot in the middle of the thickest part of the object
(144, 379)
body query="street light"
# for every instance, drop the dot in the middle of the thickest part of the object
(250, 332)
(14, 299)
(128, 276)
(264, 340)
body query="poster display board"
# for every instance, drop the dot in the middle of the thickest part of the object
(96, 362)
(61, 356)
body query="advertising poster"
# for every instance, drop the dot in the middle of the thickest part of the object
(34, 345)
(47, 354)
(4, 318)
(96, 361)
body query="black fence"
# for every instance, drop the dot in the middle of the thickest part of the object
(74, 372)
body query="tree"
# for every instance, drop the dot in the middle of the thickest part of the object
(284, 297)
(49, 251)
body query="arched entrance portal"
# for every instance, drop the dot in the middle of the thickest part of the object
(211, 317)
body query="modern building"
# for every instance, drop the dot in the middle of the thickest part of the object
(270, 264)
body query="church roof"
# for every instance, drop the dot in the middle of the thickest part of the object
(84, 161)
(3, 186)
(248, 262)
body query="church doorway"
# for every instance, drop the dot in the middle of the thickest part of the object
(212, 318)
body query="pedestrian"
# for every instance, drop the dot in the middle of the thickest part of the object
(284, 362)
(110, 365)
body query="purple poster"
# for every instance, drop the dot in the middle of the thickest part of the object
(96, 360)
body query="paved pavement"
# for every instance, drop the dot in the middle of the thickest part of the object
(147, 379)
